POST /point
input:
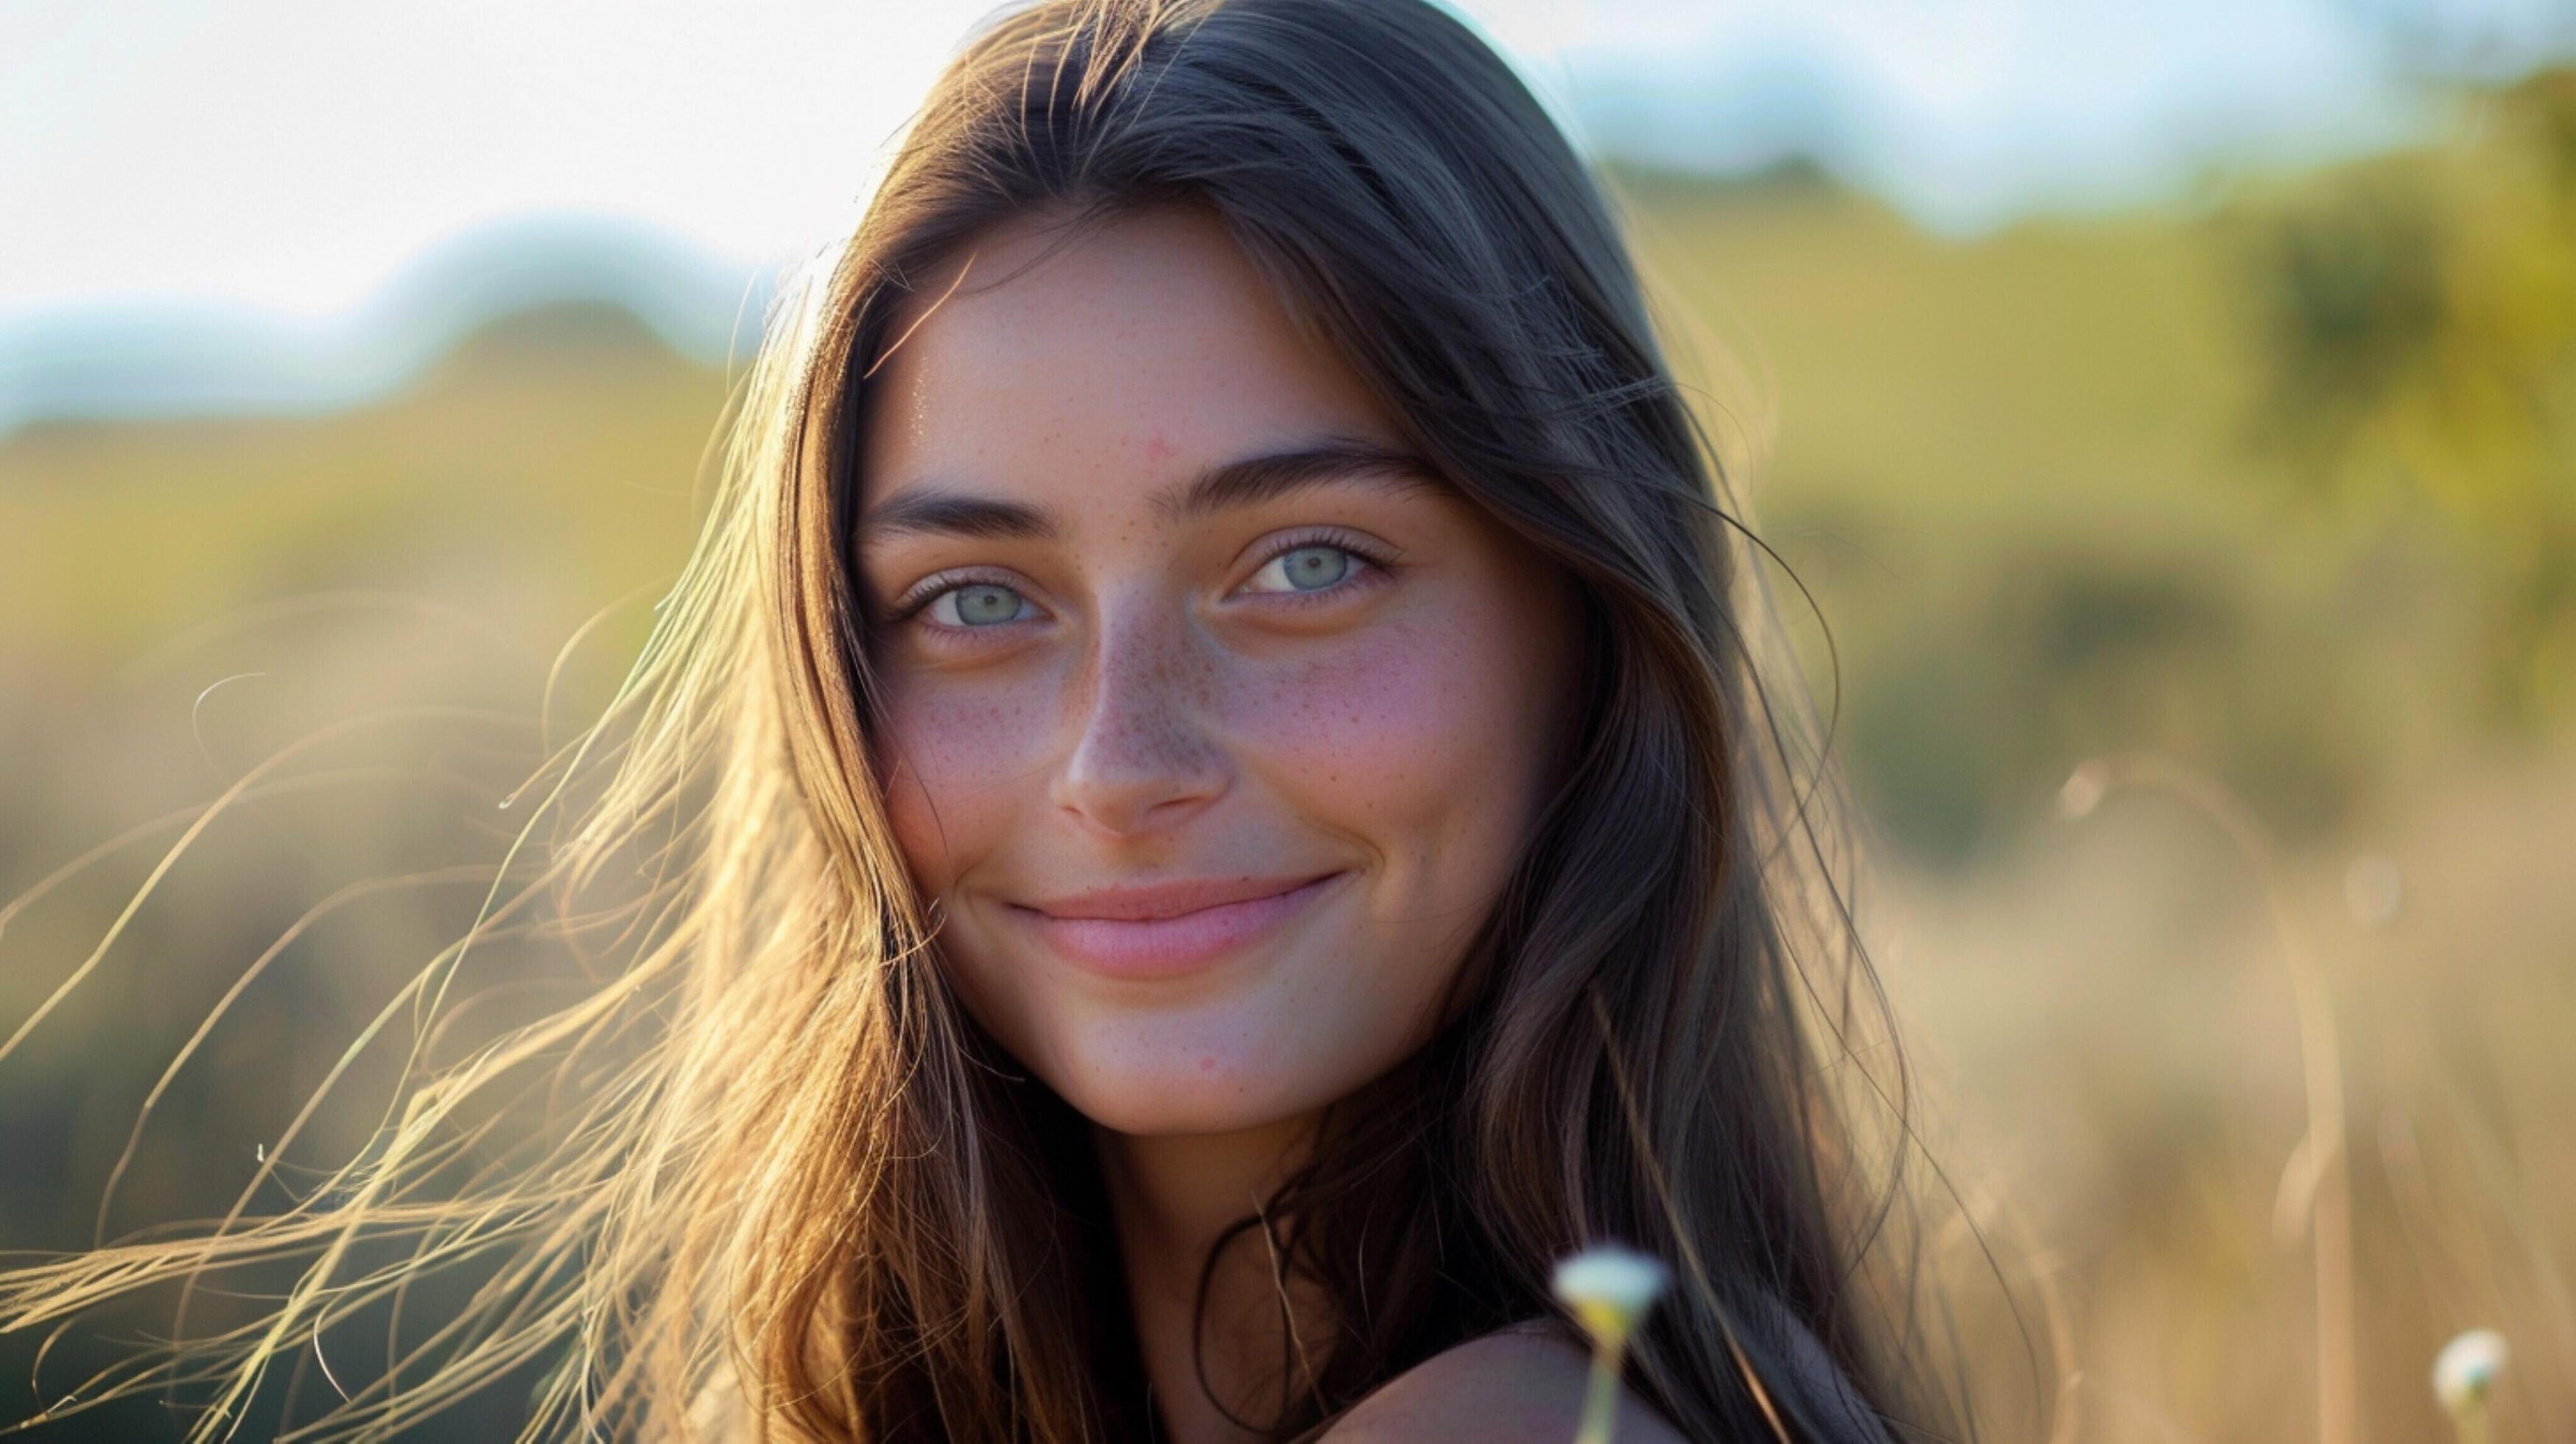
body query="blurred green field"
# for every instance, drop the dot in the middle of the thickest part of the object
(2037, 485)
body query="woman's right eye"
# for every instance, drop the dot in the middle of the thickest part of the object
(976, 604)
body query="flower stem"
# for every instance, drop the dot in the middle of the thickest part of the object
(1601, 1400)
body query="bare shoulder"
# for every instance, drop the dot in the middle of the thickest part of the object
(1517, 1386)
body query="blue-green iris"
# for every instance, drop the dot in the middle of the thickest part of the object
(984, 603)
(1313, 568)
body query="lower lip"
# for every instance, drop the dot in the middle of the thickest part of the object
(1170, 947)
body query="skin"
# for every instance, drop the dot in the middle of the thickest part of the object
(1129, 695)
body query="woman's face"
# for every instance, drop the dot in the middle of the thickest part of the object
(1216, 724)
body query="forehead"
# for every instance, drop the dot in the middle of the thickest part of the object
(1145, 346)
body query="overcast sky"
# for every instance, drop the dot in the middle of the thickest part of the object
(291, 156)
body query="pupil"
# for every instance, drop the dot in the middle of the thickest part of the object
(1310, 567)
(987, 603)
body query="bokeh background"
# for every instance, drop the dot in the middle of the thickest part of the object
(2168, 411)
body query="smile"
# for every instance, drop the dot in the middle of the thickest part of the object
(1169, 929)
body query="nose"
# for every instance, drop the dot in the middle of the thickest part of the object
(1143, 758)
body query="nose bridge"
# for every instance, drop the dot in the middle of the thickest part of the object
(1141, 746)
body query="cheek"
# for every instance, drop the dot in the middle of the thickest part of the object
(1421, 727)
(957, 755)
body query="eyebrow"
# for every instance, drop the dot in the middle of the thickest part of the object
(1245, 481)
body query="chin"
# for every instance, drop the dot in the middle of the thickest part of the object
(1165, 1115)
(1183, 1090)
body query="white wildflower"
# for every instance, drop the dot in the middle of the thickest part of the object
(2467, 1368)
(1609, 1288)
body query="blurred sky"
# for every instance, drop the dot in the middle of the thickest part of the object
(290, 157)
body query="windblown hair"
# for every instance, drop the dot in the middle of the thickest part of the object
(790, 1181)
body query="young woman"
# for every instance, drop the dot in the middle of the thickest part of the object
(1215, 813)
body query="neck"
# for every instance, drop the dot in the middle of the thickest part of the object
(1171, 1197)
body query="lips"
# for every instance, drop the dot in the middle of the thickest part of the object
(1166, 929)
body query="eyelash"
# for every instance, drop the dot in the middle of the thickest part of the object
(1372, 559)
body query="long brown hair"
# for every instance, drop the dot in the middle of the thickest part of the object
(797, 1180)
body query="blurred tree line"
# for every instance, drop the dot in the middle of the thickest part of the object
(2417, 320)
(2285, 491)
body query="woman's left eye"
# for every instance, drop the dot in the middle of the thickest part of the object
(1313, 567)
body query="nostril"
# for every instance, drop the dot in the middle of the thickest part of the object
(1136, 762)
(1127, 782)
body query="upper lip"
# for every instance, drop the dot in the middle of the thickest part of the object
(1136, 902)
